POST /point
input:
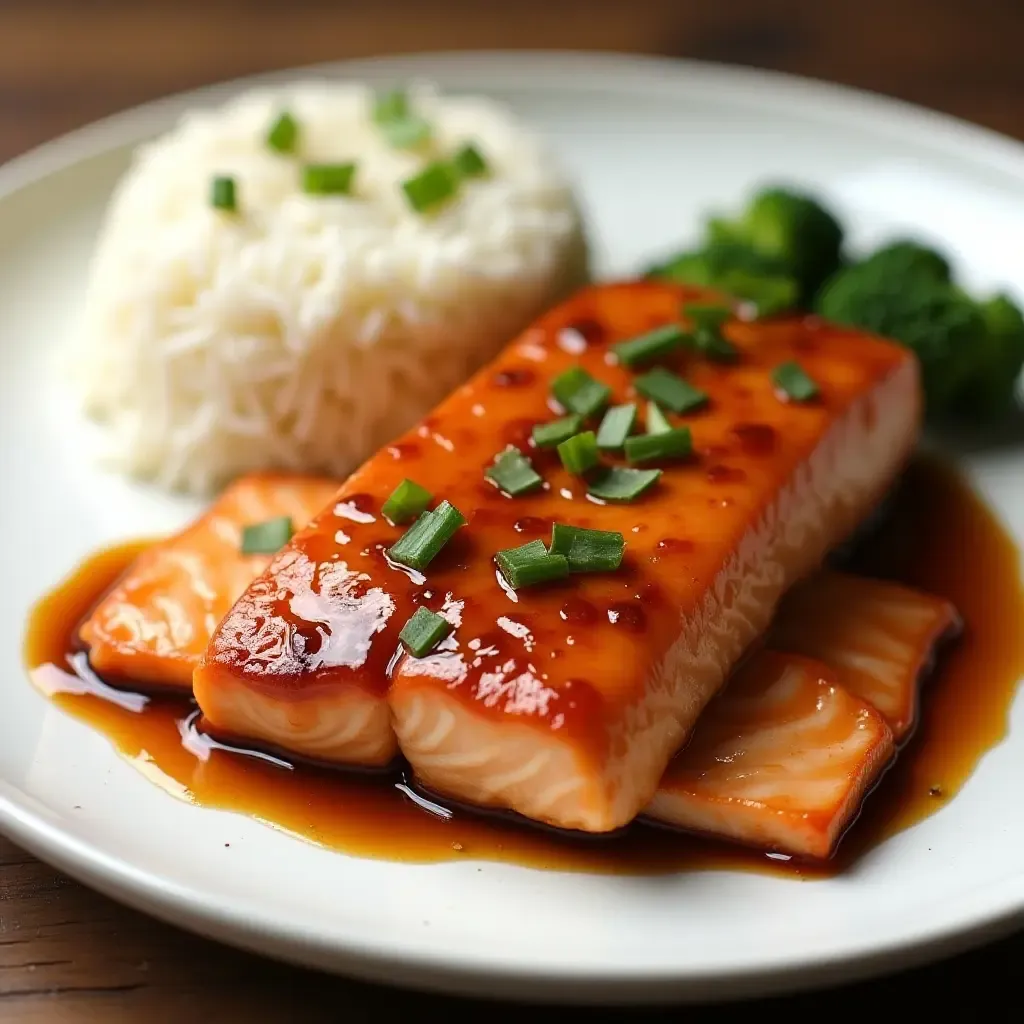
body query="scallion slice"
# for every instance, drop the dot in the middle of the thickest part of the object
(707, 316)
(649, 347)
(670, 390)
(420, 544)
(675, 443)
(390, 106)
(431, 187)
(267, 538)
(283, 133)
(622, 484)
(407, 501)
(616, 427)
(550, 435)
(708, 321)
(578, 392)
(328, 179)
(406, 133)
(513, 473)
(224, 194)
(657, 422)
(587, 550)
(469, 162)
(423, 631)
(792, 380)
(579, 454)
(530, 564)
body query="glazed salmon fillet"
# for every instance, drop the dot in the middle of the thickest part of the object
(782, 758)
(565, 702)
(152, 627)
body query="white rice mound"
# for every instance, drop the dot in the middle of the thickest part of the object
(304, 332)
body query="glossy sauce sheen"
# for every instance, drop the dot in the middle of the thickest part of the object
(964, 712)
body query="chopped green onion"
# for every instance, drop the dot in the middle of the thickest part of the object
(657, 422)
(675, 443)
(469, 162)
(406, 133)
(670, 390)
(283, 134)
(715, 347)
(579, 454)
(587, 550)
(623, 484)
(328, 179)
(530, 564)
(420, 544)
(578, 392)
(513, 473)
(390, 106)
(707, 316)
(423, 631)
(708, 321)
(433, 185)
(267, 538)
(616, 426)
(648, 347)
(794, 383)
(550, 435)
(407, 501)
(223, 195)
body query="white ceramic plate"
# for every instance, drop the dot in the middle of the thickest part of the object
(652, 144)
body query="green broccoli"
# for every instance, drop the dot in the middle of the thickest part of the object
(793, 228)
(997, 357)
(907, 258)
(735, 269)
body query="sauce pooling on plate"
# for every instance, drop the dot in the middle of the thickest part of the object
(964, 713)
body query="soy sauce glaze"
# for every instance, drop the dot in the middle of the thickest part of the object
(938, 536)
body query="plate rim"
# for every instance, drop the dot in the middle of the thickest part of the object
(412, 964)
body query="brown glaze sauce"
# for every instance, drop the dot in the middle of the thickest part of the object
(938, 536)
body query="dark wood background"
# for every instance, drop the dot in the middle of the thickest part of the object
(67, 954)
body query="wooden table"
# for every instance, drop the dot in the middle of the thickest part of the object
(67, 954)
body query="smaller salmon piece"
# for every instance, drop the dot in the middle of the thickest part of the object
(152, 627)
(880, 637)
(784, 756)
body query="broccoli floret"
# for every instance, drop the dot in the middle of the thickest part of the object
(997, 356)
(907, 258)
(738, 270)
(927, 314)
(793, 228)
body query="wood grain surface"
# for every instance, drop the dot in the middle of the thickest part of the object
(68, 954)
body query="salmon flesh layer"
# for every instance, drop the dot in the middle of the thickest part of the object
(782, 758)
(152, 627)
(565, 702)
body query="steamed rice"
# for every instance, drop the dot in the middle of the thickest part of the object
(306, 331)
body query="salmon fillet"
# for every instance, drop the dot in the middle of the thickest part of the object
(152, 627)
(783, 757)
(565, 702)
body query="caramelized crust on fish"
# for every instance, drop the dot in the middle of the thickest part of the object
(154, 625)
(565, 702)
(781, 759)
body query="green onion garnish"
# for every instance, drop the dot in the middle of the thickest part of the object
(616, 426)
(469, 162)
(675, 443)
(283, 134)
(657, 423)
(513, 473)
(707, 335)
(423, 631)
(530, 564)
(793, 382)
(406, 133)
(587, 550)
(579, 454)
(550, 435)
(328, 179)
(707, 316)
(715, 347)
(407, 501)
(223, 194)
(670, 390)
(420, 544)
(267, 538)
(578, 392)
(433, 185)
(390, 106)
(623, 484)
(651, 346)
